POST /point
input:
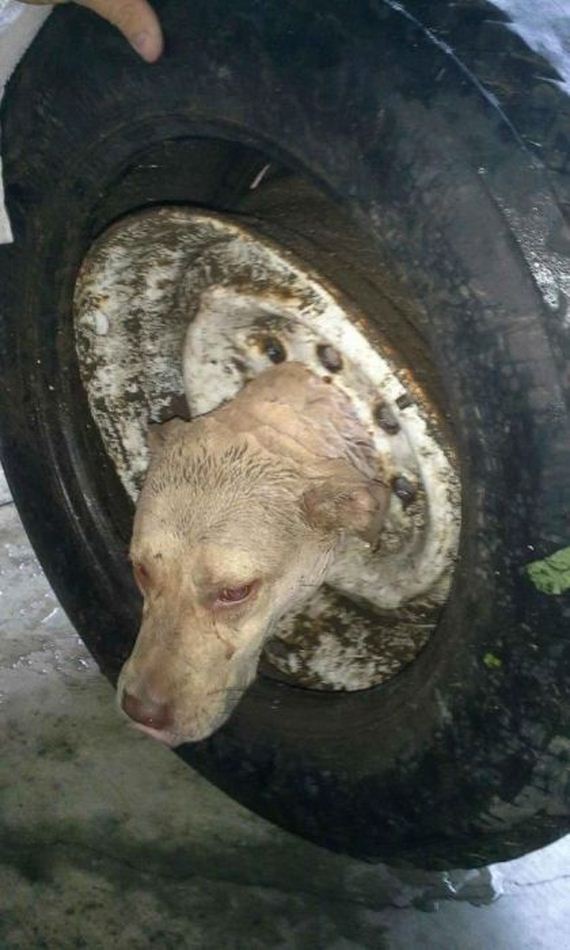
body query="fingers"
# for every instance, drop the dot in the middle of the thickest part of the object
(136, 20)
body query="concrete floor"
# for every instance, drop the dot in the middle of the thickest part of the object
(108, 840)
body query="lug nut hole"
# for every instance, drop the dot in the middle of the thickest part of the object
(274, 349)
(404, 401)
(329, 357)
(385, 418)
(404, 489)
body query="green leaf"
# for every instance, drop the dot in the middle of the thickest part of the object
(552, 575)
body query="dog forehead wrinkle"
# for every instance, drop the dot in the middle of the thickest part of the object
(179, 523)
(197, 463)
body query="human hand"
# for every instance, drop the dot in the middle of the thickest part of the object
(136, 20)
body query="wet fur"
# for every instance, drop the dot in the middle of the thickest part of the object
(261, 489)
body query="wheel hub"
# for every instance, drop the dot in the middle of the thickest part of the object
(176, 310)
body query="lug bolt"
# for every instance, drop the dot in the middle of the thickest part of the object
(385, 418)
(274, 349)
(329, 357)
(404, 489)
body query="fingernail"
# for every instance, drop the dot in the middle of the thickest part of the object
(143, 44)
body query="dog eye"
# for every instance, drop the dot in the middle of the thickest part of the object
(233, 595)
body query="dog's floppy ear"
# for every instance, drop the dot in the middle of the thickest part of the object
(159, 432)
(345, 500)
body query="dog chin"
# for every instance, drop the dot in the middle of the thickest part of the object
(175, 739)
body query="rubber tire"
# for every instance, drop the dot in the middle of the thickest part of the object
(463, 758)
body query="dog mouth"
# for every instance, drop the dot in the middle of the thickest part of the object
(173, 738)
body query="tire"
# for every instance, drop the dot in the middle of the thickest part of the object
(462, 759)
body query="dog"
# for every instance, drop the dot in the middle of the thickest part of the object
(240, 516)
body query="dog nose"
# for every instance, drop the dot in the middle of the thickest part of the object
(148, 713)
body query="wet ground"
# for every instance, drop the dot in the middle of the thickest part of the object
(108, 840)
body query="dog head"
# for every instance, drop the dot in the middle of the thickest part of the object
(227, 538)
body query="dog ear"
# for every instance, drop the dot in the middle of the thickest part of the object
(159, 432)
(347, 501)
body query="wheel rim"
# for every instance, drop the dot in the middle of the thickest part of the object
(241, 303)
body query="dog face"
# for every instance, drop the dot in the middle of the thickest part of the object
(227, 538)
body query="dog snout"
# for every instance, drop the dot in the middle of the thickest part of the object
(147, 712)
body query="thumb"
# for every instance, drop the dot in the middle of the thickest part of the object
(136, 20)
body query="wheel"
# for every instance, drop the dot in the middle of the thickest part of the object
(430, 195)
